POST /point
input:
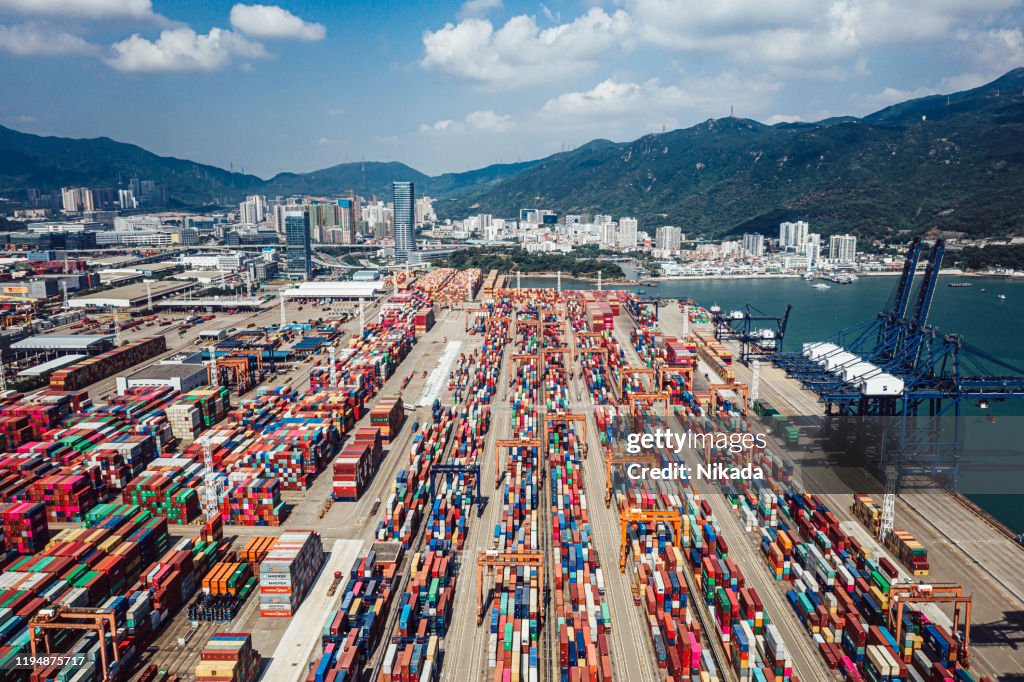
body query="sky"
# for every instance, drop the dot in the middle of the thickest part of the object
(307, 84)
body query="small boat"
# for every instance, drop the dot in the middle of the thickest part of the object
(983, 290)
(960, 285)
(1001, 297)
(821, 285)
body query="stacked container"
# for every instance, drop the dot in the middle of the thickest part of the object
(288, 571)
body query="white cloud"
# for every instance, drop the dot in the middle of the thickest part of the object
(182, 49)
(34, 39)
(271, 21)
(805, 32)
(782, 118)
(489, 121)
(484, 120)
(325, 141)
(614, 102)
(999, 50)
(439, 127)
(340, 111)
(21, 118)
(478, 8)
(88, 9)
(891, 95)
(520, 54)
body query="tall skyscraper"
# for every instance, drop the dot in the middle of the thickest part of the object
(793, 234)
(842, 248)
(298, 251)
(404, 201)
(753, 245)
(668, 238)
(627, 233)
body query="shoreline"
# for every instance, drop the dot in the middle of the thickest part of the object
(691, 278)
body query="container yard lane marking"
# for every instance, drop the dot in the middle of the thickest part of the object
(438, 377)
(290, 659)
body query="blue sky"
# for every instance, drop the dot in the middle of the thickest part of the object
(299, 86)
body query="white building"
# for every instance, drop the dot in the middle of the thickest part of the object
(793, 235)
(626, 234)
(842, 248)
(126, 199)
(812, 249)
(668, 238)
(753, 245)
(253, 210)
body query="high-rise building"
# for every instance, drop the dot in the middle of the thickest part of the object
(403, 220)
(668, 238)
(793, 235)
(298, 250)
(126, 200)
(842, 248)
(753, 245)
(253, 210)
(348, 216)
(626, 235)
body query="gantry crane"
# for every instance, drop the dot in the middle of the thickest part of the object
(577, 418)
(741, 389)
(651, 397)
(755, 342)
(101, 621)
(626, 518)
(471, 312)
(940, 593)
(495, 559)
(630, 371)
(614, 458)
(667, 369)
(502, 443)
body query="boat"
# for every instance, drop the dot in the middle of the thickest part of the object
(1001, 297)
(983, 290)
(960, 285)
(821, 285)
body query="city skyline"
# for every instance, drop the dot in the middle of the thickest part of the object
(492, 81)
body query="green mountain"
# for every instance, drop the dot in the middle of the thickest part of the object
(52, 162)
(28, 160)
(949, 162)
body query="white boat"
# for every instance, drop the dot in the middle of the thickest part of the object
(821, 285)
(1001, 297)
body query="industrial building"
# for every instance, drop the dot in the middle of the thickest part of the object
(51, 365)
(64, 344)
(348, 291)
(182, 377)
(365, 276)
(131, 296)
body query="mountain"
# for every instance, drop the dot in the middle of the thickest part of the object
(949, 162)
(373, 178)
(51, 162)
(946, 161)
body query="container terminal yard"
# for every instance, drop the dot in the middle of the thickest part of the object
(433, 487)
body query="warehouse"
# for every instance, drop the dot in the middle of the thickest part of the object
(131, 296)
(51, 365)
(346, 291)
(64, 344)
(181, 377)
(201, 276)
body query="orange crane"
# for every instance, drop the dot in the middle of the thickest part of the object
(652, 397)
(578, 418)
(615, 458)
(560, 350)
(509, 443)
(100, 621)
(649, 516)
(473, 311)
(940, 593)
(741, 389)
(685, 370)
(492, 559)
(628, 372)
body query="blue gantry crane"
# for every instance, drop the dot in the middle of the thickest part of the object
(760, 335)
(914, 378)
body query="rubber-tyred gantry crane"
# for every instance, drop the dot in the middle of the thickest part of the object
(630, 371)
(98, 620)
(615, 458)
(502, 443)
(741, 389)
(939, 593)
(495, 559)
(645, 397)
(577, 418)
(685, 370)
(626, 518)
